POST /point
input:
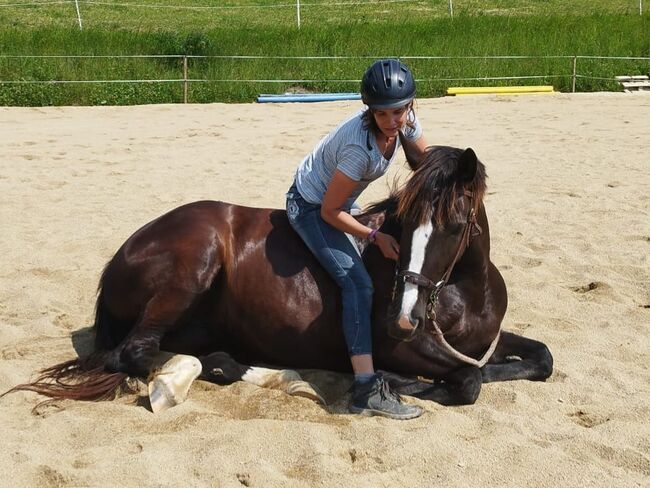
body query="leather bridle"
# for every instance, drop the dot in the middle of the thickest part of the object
(472, 228)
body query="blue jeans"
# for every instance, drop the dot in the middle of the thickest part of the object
(336, 253)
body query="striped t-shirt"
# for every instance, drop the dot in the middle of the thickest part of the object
(353, 150)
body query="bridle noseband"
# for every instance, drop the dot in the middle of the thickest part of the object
(472, 228)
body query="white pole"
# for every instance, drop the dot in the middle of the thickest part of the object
(298, 12)
(640, 7)
(451, 8)
(76, 2)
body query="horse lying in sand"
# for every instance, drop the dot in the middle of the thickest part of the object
(233, 286)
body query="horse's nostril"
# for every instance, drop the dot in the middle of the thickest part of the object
(407, 322)
(404, 329)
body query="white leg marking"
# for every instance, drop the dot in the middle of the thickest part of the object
(418, 246)
(269, 378)
(286, 380)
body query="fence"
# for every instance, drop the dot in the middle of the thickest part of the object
(185, 79)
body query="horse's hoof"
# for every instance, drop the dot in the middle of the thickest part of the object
(305, 390)
(171, 383)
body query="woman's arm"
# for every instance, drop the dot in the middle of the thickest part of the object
(339, 190)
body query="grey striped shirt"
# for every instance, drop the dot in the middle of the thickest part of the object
(353, 150)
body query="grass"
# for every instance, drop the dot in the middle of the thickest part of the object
(479, 28)
(139, 15)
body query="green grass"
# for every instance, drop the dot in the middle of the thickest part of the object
(479, 28)
(254, 14)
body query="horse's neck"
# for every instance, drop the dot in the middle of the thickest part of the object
(477, 255)
(382, 270)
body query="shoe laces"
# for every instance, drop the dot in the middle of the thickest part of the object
(385, 392)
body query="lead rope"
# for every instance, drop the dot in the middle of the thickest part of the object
(462, 357)
(433, 299)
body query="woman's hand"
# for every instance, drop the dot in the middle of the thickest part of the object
(387, 245)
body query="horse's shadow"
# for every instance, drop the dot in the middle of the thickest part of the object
(83, 341)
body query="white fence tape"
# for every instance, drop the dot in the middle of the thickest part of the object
(188, 80)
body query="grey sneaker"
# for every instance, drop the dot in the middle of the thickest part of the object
(375, 398)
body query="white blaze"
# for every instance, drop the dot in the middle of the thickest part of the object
(418, 246)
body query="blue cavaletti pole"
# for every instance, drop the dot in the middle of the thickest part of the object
(307, 97)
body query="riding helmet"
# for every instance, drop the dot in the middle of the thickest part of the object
(388, 83)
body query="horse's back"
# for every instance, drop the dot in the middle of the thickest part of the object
(190, 244)
(165, 253)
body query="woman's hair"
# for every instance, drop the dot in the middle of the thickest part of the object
(370, 124)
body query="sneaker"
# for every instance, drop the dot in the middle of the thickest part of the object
(374, 397)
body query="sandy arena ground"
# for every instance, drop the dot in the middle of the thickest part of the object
(569, 210)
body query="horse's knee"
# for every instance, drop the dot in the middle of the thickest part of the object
(545, 364)
(469, 386)
(134, 358)
(221, 368)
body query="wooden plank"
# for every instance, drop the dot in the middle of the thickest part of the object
(636, 84)
(632, 78)
(474, 90)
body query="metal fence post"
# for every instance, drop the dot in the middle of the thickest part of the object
(573, 87)
(185, 81)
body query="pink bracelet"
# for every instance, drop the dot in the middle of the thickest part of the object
(371, 236)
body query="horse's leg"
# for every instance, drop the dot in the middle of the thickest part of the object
(136, 353)
(460, 387)
(518, 358)
(172, 376)
(221, 368)
(176, 367)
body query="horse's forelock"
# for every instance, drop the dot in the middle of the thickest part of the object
(432, 190)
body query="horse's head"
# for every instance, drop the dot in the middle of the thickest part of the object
(437, 208)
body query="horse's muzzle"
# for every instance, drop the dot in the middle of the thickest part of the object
(405, 328)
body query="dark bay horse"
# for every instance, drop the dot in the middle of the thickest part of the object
(235, 285)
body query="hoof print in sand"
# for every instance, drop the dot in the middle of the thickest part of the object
(586, 419)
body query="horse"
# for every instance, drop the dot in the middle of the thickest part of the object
(236, 286)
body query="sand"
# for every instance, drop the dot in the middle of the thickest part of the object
(568, 205)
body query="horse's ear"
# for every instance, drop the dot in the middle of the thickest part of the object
(467, 164)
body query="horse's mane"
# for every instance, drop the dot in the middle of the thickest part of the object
(433, 189)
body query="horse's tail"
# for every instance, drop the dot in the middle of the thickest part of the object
(77, 379)
(85, 378)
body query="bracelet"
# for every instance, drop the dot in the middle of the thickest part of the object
(372, 235)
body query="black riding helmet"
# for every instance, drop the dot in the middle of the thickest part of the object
(388, 83)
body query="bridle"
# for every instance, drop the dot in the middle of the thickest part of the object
(471, 229)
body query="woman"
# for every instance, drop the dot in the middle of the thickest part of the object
(327, 183)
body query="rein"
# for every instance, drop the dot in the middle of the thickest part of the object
(472, 228)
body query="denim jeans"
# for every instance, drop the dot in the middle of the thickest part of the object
(340, 258)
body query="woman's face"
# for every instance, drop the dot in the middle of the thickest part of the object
(391, 120)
